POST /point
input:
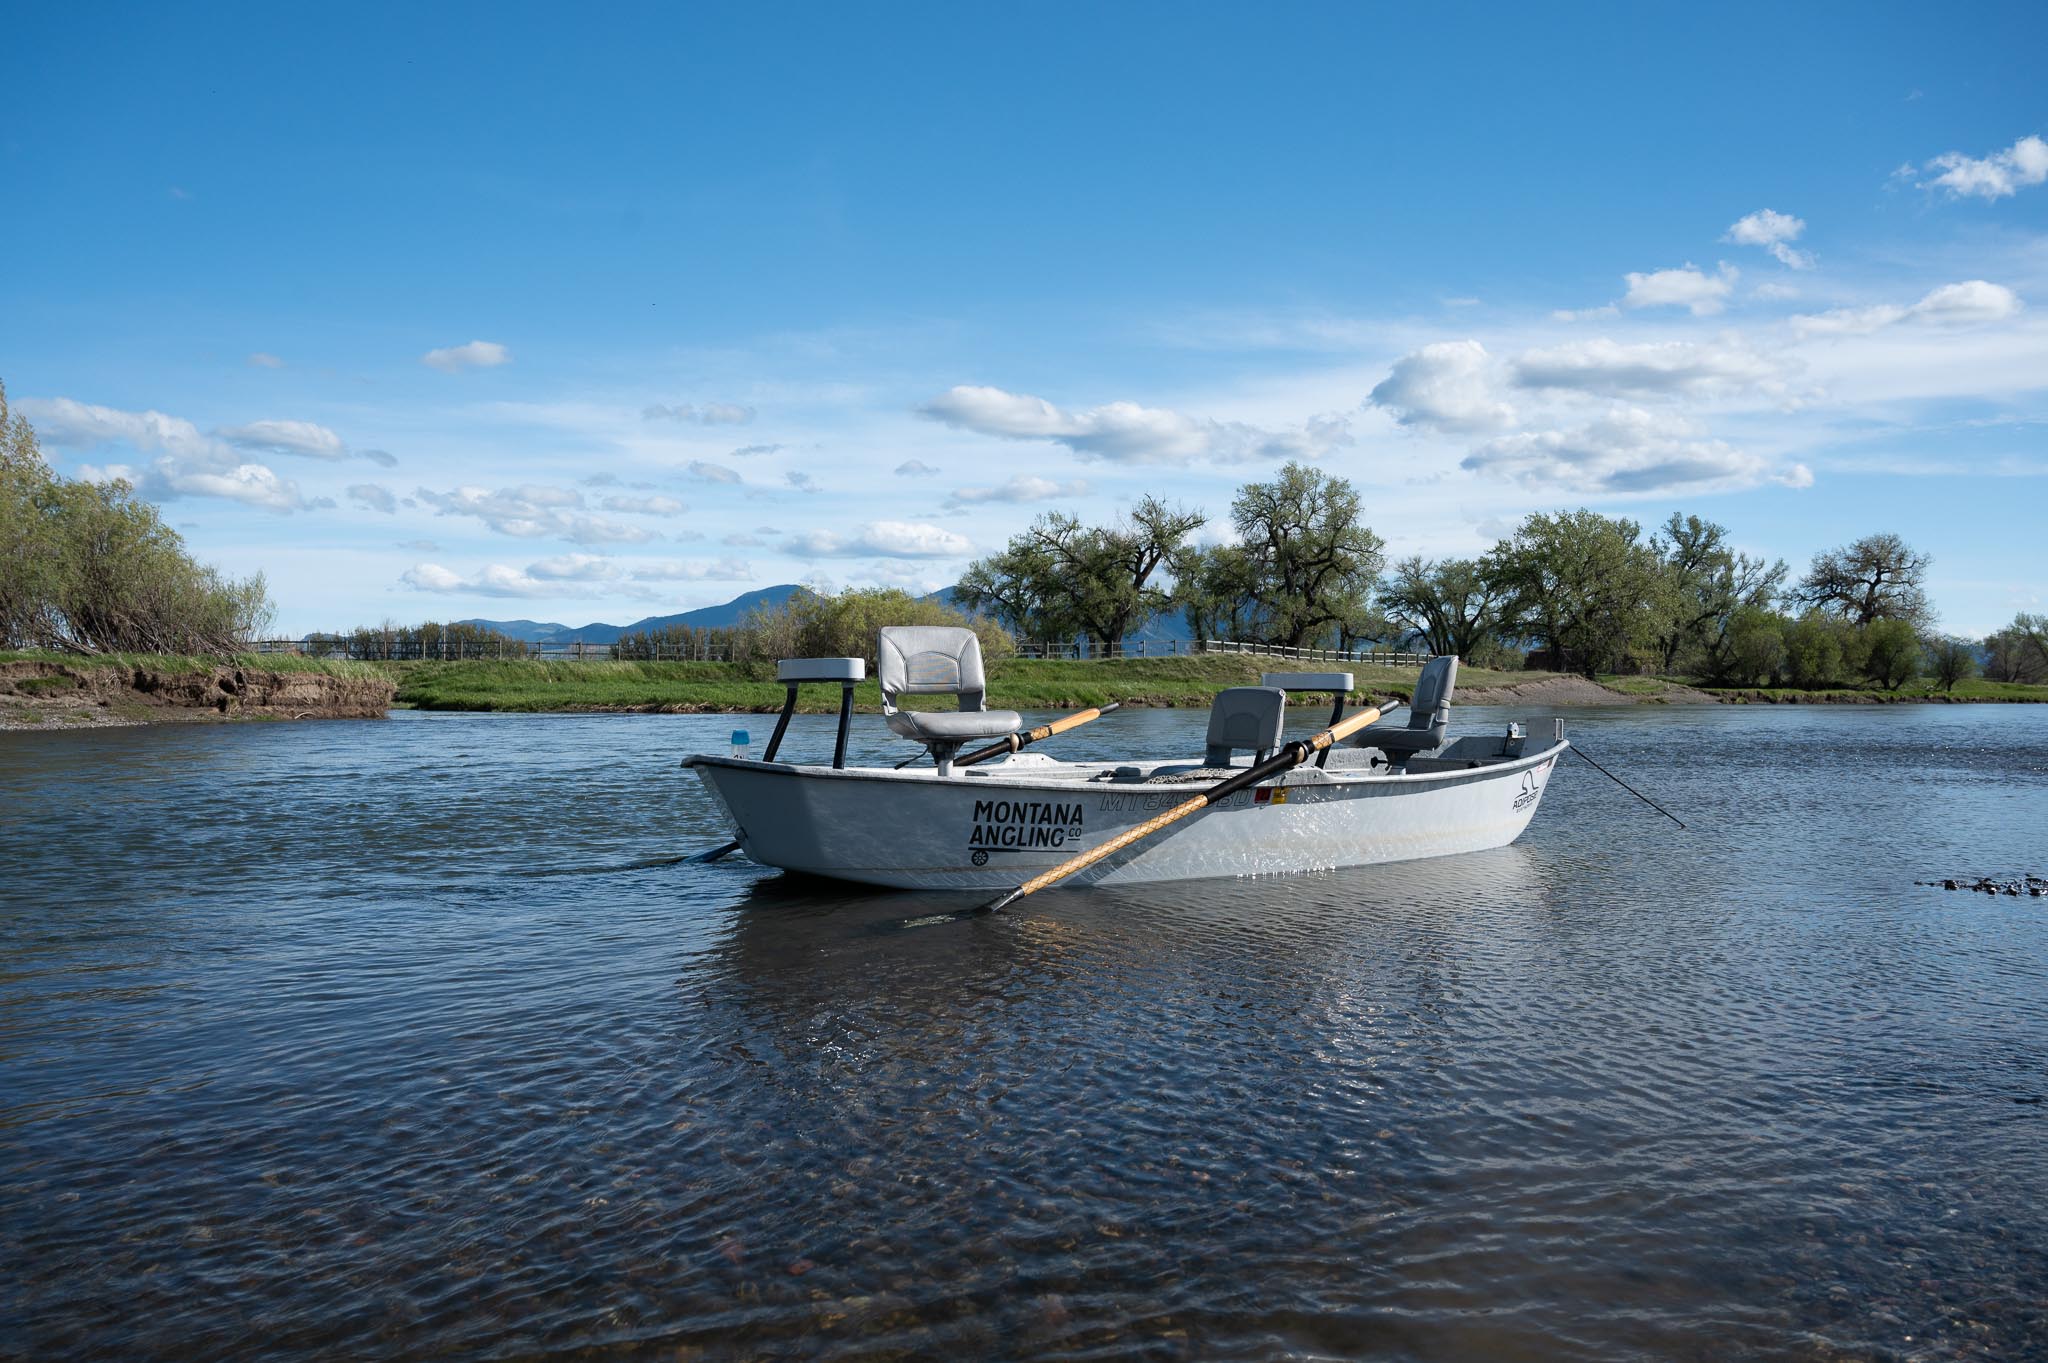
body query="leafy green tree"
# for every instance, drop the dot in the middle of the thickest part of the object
(1706, 583)
(1217, 586)
(1450, 604)
(1813, 649)
(91, 568)
(1892, 656)
(1314, 564)
(1753, 651)
(1585, 586)
(1950, 660)
(1063, 577)
(2019, 652)
(1018, 586)
(845, 625)
(1879, 577)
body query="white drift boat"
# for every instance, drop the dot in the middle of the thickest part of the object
(1359, 793)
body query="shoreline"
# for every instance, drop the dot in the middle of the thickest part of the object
(45, 693)
(45, 696)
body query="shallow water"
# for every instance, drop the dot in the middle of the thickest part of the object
(415, 1039)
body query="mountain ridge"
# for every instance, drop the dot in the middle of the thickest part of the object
(1172, 625)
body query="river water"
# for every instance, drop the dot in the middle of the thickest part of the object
(411, 1039)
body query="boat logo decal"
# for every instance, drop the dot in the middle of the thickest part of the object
(1270, 795)
(1531, 790)
(1022, 826)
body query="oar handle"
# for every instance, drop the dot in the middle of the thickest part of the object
(1016, 741)
(1292, 755)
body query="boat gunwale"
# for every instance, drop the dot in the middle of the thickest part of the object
(991, 777)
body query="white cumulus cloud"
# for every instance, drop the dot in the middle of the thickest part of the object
(188, 463)
(1669, 368)
(1627, 450)
(286, 437)
(1773, 231)
(712, 473)
(1686, 287)
(1126, 432)
(1022, 488)
(882, 539)
(495, 579)
(915, 468)
(470, 355)
(1446, 386)
(532, 511)
(1997, 176)
(373, 497)
(1973, 301)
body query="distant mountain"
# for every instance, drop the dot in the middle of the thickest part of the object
(1171, 626)
(705, 617)
(529, 631)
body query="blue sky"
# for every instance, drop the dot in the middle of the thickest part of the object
(517, 311)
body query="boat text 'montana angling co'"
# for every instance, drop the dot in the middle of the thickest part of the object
(1360, 791)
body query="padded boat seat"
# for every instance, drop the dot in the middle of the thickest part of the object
(938, 660)
(1245, 717)
(954, 726)
(1429, 717)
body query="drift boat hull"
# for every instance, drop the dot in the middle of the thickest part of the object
(994, 826)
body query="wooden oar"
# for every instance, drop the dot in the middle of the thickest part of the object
(1290, 755)
(1016, 741)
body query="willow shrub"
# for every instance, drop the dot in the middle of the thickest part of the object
(844, 625)
(92, 568)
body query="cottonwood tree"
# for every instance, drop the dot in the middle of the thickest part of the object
(1452, 605)
(1217, 586)
(1879, 577)
(1893, 653)
(1585, 586)
(1016, 586)
(2019, 652)
(1102, 581)
(1314, 565)
(1950, 660)
(1706, 583)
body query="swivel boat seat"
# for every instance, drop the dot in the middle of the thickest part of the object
(1429, 717)
(1245, 718)
(924, 660)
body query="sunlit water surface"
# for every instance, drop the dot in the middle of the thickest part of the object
(413, 1039)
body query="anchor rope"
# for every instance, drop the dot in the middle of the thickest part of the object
(1627, 787)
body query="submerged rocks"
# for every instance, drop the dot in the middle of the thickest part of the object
(2032, 886)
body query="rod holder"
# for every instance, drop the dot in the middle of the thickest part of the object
(796, 672)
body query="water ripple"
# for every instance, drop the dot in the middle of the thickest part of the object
(426, 1039)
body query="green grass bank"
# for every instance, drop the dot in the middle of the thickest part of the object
(751, 688)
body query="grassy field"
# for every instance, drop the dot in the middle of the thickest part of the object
(536, 686)
(174, 664)
(716, 687)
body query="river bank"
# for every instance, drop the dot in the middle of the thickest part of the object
(42, 692)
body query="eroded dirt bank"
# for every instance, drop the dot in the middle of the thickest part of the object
(48, 695)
